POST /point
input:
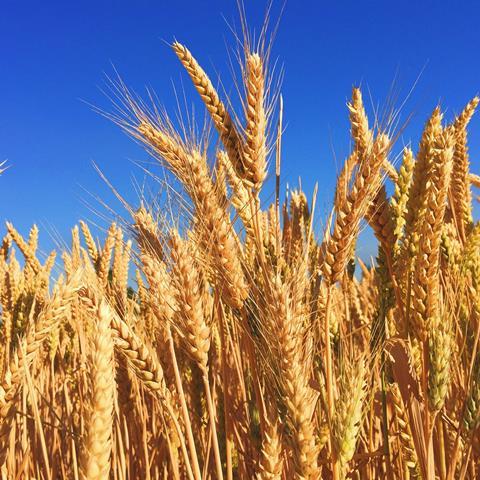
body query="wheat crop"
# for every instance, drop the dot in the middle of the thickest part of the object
(237, 340)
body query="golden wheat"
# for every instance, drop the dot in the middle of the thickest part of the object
(192, 345)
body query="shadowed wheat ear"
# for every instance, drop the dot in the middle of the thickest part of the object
(471, 415)
(97, 442)
(461, 196)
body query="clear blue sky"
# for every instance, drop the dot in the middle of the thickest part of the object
(53, 55)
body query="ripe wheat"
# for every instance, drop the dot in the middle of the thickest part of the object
(236, 340)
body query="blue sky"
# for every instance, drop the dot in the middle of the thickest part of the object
(53, 56)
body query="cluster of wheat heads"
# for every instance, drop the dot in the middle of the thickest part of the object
(246, 347)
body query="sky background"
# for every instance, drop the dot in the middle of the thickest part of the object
(54, 55)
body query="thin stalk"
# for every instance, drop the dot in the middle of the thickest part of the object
(183, 405)
(228, 441)
(329, 379)
(463, 471)
(441, 449)
(454, 457)
(182, 441)
(36, 413)
(278, 158)
(385, 422)
(213, 428)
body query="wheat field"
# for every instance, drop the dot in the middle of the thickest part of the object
(238, 340)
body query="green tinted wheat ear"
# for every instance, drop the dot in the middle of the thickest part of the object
(221, 118)
(255, 151)
(348, 414)
(471, 415)
(440, 351)
(423, 166)
(97, 443)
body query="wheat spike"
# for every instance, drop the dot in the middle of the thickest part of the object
(255, 151)
(97, 442)
(221, 118)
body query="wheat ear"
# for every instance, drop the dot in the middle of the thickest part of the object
(348, 414)
(97, 442)
(221, 118)
(461, 196)
(425, 287)
(271, 462)
(255, 151)
(144, 363)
